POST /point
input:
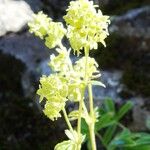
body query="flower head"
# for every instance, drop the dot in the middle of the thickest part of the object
(43, 27)
(86, 26)
(39, 24)
(53, 88)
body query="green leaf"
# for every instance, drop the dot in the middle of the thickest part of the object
(143, 147)
(124, 109)
(109, 105)
(130, 141)
(143, 138)
(104, 121)
(121, 139)
(109, 134)
(84, 127)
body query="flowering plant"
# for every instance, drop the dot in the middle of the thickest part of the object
(86, 27)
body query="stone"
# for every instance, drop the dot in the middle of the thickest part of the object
(31, 51)
(134, 23)
(25, 47)
(36, 5)
(140, 114)
(14, 15)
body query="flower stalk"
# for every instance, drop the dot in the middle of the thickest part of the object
(92, 116)
(86, 27)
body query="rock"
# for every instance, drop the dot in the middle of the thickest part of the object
(26, 47)
(140, 114)
(55, 8)
(11, 71)
(135, 23)
(36, 5)
(110, 7)
(111, 79)
(14, 15)
(128, 49)
(31, 52)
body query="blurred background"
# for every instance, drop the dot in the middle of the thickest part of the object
(124, 64)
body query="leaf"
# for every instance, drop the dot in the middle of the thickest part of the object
(98, 83)
(130, 141)
(143, 147)
(84, 127)
(109, 105)
(104, 121)
(121, 139)
(143, 138)
(109, 134)
(124, 109)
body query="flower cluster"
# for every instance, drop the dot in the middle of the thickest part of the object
(53, 88)
(39, 24)
(92, 69)
(61, 62)
(86, 26)
(67, 82)
(62, 65)
(43, 27)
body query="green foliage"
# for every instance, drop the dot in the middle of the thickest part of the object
(112, 138)
(128, 141)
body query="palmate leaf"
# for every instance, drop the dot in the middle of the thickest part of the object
(127, 140)
(142, 147)
(104, 121)
(109, 134)
(124, 109)
(109, 105)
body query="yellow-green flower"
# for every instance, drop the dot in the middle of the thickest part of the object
(86, 26)
(39, 24)
(43, 27)
(61, 63)
(55, 33)
(54, 89)
(92, 69)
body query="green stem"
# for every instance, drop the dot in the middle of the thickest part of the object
(67, 120)
(92, 123)
(79, 124)
(81, 102)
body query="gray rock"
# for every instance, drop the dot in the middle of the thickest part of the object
(134, 23)
(111, 79)
(36, 5)
(14, 15)
(140, 114)
(26, 47)
(30, 51)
